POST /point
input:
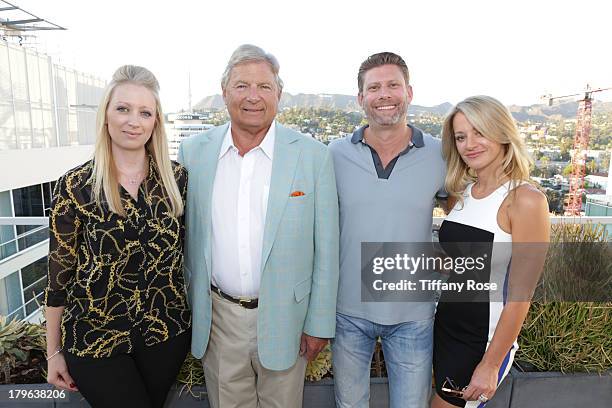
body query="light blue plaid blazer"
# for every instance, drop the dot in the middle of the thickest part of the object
(299, 279)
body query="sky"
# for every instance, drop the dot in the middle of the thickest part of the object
(514, 50)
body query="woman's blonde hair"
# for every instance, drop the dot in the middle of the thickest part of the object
(104, 176)
(492, 120)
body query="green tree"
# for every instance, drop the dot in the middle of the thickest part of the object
(591, 167)
(565, 146)
(605, 162)
(555, 200)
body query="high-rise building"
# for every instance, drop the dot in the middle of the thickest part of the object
(180, 126)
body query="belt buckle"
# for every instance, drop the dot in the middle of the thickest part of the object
(244, 301)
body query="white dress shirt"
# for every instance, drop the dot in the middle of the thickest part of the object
(239, 206)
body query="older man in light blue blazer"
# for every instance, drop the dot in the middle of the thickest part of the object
(261, 251)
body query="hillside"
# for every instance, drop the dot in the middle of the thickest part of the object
(536, 113)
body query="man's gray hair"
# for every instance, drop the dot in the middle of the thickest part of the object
(251, 53)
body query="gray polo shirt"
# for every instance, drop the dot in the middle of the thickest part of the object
(378, 209)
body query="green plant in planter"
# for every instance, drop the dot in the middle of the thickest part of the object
(192, 374)
(568, 337)
(22, 351)
(320, 366)
(572, 335)
(578, 265)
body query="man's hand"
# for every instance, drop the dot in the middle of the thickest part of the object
(311, 346)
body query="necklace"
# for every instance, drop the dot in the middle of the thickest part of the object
(134, 179)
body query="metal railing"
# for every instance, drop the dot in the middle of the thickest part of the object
(26, 239)
(23, 241)
(28, 309)
(24, 221)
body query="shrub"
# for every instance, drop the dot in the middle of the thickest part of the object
(567, 337)
(22, 352)
(578, 265)
(570, 335)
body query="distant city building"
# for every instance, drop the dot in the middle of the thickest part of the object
(180, 126)
(609, 187)
(600, 205)
(594, 180)
(47, 126)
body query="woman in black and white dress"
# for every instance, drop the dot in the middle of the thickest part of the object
(494, 205)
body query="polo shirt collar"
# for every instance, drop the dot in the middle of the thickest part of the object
(417, 137)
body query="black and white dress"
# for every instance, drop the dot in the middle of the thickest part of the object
(464, 326)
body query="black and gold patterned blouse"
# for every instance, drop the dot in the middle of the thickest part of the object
(116, 275)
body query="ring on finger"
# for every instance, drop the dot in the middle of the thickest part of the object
(482, 398)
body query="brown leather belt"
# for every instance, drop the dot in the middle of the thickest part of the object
(247, 303)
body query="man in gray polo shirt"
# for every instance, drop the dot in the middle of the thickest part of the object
(388, 174)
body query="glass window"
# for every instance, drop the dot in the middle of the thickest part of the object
(71, 87)
(61, 91)
(34, 281)
(33, 77)
(35, 234)
(38, 128)
(28, 202)
(19, 78)
(33, 293)
(73, 127)
(46, 91)
(32, 273)
(62, 126)
(91, 92)
(86, 121)
(23, 125)
(8, 140)
(8, 247)
(5, 76)
(34, 304)
(81, 88)
(10, 296)
(49, 128)
(47, 197)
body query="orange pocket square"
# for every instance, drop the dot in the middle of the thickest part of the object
(296, 194)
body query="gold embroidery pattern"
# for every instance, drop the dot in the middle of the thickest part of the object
(115, 275)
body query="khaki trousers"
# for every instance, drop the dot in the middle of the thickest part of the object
(233, 373)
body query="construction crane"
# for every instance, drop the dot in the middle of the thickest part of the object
(573, 201)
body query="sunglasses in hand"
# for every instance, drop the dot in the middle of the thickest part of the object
(451, 389)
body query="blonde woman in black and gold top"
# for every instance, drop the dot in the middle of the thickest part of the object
(118, 322)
